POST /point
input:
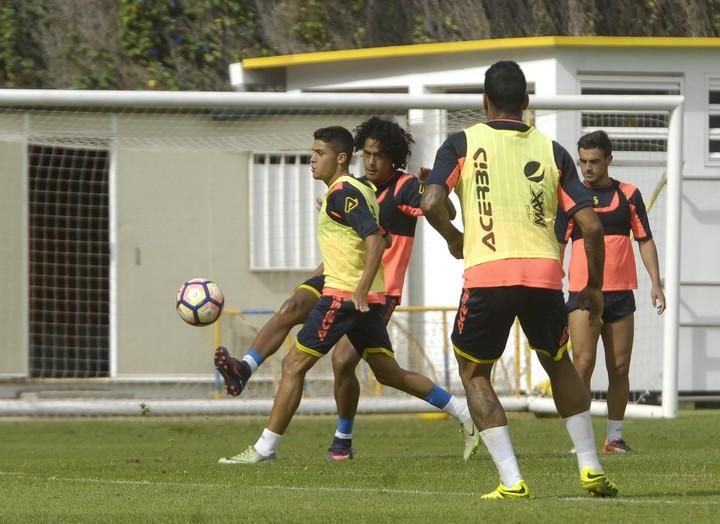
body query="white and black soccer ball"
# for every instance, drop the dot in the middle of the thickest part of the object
(199, 302)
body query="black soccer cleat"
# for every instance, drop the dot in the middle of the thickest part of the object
(234, 372)
(340, 450)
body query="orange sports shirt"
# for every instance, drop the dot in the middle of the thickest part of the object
(621, 210)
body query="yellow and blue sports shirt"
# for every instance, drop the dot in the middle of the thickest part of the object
(349, 214)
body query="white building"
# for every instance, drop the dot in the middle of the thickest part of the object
(562, 66)
(110, 200)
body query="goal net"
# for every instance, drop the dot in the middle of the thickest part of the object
(112, 199)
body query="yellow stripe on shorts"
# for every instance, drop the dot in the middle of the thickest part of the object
(558, 356)
(471, 358)
(376, 351)
(307, 350)
(311, 289)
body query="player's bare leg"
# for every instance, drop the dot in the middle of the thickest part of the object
(572, 401)
(618, 341)
(347, 387)
(389, 373)
(584, 337)
(489, 416)
(293, 311)
(485, 407)
(295, 366)
(236, 372)
(347, 395)
(287, 398)
(569, 391)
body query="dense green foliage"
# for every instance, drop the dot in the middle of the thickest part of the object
(187, 45)
(22, 61)
(184, 44)
(406, 470)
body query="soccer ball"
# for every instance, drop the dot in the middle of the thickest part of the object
(199, 302)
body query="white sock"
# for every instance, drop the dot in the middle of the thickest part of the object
(251, 362)
(614, 430)
(346, 436)
(457, 410)
(497, 441)
(579, 427)
(267, 443)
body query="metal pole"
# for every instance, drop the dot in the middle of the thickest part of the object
(672, 264)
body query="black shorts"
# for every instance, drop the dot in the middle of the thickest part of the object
(332, 317)
(485, 316)
(391, 302)
(314, 285)
(618, 304)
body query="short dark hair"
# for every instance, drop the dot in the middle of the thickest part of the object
(596, 140)
(506, 86)
(338, 137)
(394, 140)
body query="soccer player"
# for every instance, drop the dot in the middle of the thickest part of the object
(621, 210)
(510, 179)
(352, 301)
(385, 148)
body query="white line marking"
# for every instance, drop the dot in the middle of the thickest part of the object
(54, 478)
(213, 485)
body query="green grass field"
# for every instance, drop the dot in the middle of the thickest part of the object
(406, 470)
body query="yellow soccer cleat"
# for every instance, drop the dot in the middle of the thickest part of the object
(518, 491)
(597, 483)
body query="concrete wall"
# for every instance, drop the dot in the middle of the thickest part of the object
(13, 270)
(182, 216)
(181, 212)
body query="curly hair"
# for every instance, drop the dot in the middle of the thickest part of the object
(394, 140)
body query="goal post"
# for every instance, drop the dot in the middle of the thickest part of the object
(133, 175)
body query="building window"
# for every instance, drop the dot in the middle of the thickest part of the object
(713, 141)
(635, 134)
(283, 211)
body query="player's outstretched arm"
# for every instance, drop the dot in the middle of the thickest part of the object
(648, 253)
(592, 232)
(436, 212)
(374, 248)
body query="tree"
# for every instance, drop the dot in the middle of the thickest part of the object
(188, 44)
(22, 57)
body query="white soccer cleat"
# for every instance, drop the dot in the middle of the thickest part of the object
(249, 456)
(472, 439)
